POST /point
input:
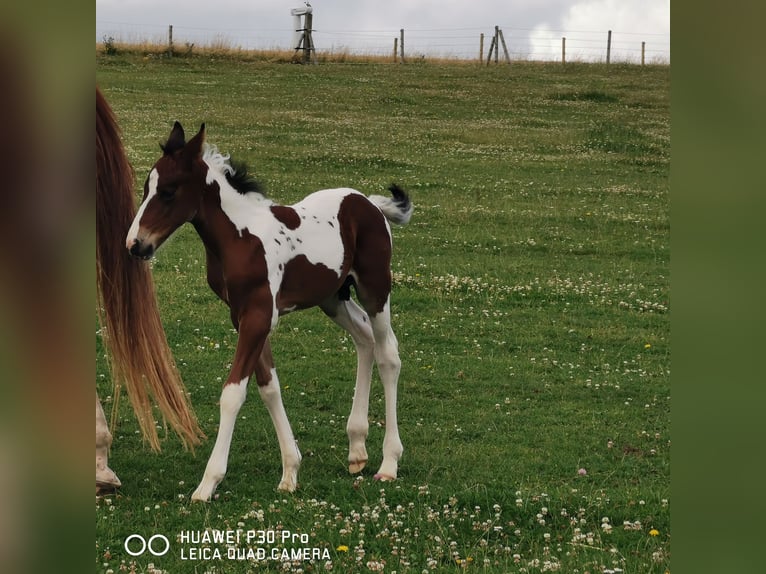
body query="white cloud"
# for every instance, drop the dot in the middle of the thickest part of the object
(586, 24)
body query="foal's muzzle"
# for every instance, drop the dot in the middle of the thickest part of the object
(141, 249)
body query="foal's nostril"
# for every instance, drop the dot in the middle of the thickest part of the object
(141, 250)
(135, 249)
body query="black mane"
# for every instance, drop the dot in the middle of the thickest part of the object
(241, 180)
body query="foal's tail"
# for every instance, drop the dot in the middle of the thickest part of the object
(397, 208)
(133, 333)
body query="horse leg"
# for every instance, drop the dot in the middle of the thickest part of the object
(354, 320)
(389, 365)
(106, 479)
(232, 399)
(268, 387)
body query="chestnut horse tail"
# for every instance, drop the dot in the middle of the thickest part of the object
(140, 358)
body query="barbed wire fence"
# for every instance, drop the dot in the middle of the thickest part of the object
(537, 44)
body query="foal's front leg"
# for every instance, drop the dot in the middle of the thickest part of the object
(250, 344)
(232, 398)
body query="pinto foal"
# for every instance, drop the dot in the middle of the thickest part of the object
(265, 260)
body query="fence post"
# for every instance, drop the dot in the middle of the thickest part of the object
(608, 46)
(497, 41)
(505, 48)
(481, 47)
(401, 43)
(170, 40)
(396, 48)
(643, 52)
(563, 50)
(492, 46)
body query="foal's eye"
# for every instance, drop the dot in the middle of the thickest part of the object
(166, 193)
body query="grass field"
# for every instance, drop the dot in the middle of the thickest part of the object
(530, 302)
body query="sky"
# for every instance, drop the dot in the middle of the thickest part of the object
(532, 29)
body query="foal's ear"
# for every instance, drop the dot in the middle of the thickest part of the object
(193, 149)
(176, 140)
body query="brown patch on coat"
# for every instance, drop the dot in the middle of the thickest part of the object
(305, 284)
(264, 366)
(367, 244)
(287, 216)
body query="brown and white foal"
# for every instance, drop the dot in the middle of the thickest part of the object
(265, 260)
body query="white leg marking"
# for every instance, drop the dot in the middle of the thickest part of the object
(291, 456)
(232, 398)
(105, 476)
(389, 365)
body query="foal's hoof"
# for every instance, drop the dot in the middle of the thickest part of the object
(384, 478)
(202, 494)
(356, 467)
(286, 486)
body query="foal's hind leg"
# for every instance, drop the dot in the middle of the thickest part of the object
(389, 365)
(353, 319)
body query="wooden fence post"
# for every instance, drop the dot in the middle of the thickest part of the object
(481, 47)
(505, 48)
(608, 46)
(563, 50)
(401, 43)
(170, 40)
(643, 52)
(396, 48)
(492, 46)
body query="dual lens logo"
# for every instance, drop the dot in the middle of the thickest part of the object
(157, 545)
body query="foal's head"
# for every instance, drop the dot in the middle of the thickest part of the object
(172, 193)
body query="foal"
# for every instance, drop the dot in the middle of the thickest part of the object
(265, 260)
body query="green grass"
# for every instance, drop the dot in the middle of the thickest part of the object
(531, 305)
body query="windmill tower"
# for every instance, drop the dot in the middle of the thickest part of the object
(302, 39)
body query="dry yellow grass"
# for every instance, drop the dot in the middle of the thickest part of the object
(221, 48)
